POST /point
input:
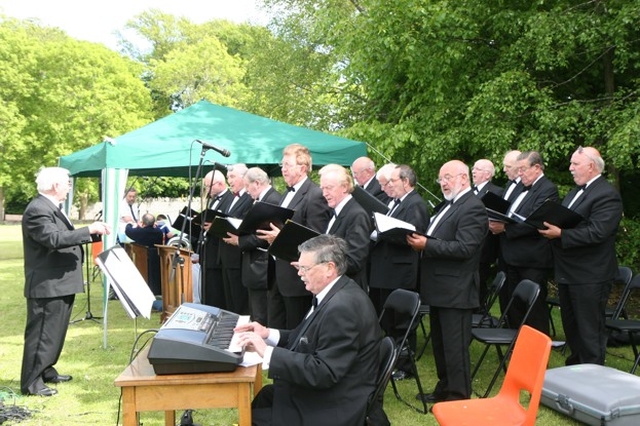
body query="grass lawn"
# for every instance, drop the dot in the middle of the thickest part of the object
(91, 398)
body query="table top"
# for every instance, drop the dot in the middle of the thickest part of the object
(140, 373)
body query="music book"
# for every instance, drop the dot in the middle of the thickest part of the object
(392, 229)
(261, 215)
(368, 202)
(292, 234)
(221, 225)
(497, 208)
(183, 216)
(127, 282)
(208, 216)
(554, 213)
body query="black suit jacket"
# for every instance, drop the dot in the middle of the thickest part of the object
(491, 241)
(257, 266)
(52, 251)
(521, 244)
(354, 226)
(147, 236)
(211, 242)
(393, 265)
(586, 254)
(324, 370)
(230, 255)
(449, 276)
(375, 189)
(311, 210)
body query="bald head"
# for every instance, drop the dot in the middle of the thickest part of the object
(482, 171)
(363, 169)
(586, 163)
(453, 178)
(509, 164)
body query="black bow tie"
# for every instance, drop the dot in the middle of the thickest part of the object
(217, 198)
(526, 188)
(581, 187)
(314, 302)
(291, 189)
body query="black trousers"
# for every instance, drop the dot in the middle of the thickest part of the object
(539, 316)
(236, 295)
(213, 289)
(582, 309)
(451, 337)
(45, 331)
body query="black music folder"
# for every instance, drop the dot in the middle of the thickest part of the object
(261, 215)
(184, 216)
(497, 208)
(393, 230)
(292, 234)
(368, 202)
(223, 224)
(554, 213)
(207, 216)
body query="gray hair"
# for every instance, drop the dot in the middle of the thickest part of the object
(327, 248)
(49, 176)
(256, 174)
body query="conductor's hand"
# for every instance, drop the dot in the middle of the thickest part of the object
(252, 342)
(268, 235)
(99, 228)
(417, 241)
(254, 327)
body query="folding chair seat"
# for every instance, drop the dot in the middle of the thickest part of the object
(402, 306)
(375, 406)
(629, 327)
(526, 292)
(526, 372)
(485, 319)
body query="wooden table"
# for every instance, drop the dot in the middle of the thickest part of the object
(143, 390)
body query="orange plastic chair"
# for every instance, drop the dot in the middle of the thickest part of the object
(525, 372)
(97, 247)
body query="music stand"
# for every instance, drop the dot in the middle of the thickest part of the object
(88, 315)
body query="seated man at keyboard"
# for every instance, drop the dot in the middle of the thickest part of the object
(325, 369)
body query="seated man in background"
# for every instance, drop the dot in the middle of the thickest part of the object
(148, 235)
(325, 369)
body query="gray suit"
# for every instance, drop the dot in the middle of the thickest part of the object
(53, 275)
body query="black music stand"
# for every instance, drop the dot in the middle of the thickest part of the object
(89, 276)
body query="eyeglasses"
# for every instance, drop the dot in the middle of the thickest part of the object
(306, 269)
(392, 181)
(288, 165)
(447, 178)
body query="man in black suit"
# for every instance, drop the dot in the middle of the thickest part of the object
(363, 170)
(449, 279)
(148, 235)
(324, 370)
(482, 172)
(219, 199)
(288, 300)
(257, 266)
(585, 257)
(53, 275)
(349, 221)
(395, 265)
(526, 253)
(236, 295)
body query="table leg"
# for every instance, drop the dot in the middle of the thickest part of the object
(129, 414)
(244, 404)
(169, 418)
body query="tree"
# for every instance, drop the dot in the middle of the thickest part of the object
(60, 95)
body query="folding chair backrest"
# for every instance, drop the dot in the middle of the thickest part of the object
(527, 369)
(388, 357)
(494, 289)
(402, 304)
(526, 292)
(625, 273)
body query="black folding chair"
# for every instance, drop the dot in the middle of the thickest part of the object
(526, 292)
(375, 406)
(422, 313)
(629, 327)
(403, 306)
(485, 319)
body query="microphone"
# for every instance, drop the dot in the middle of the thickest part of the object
(221, 151)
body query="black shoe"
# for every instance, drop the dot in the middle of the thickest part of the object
(44, 392)
(429, 398)
(401, 375)
(60, 378)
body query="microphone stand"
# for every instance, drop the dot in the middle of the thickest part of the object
(176, 257)
(88, 315)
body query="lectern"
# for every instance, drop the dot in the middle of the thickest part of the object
(177, 285)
